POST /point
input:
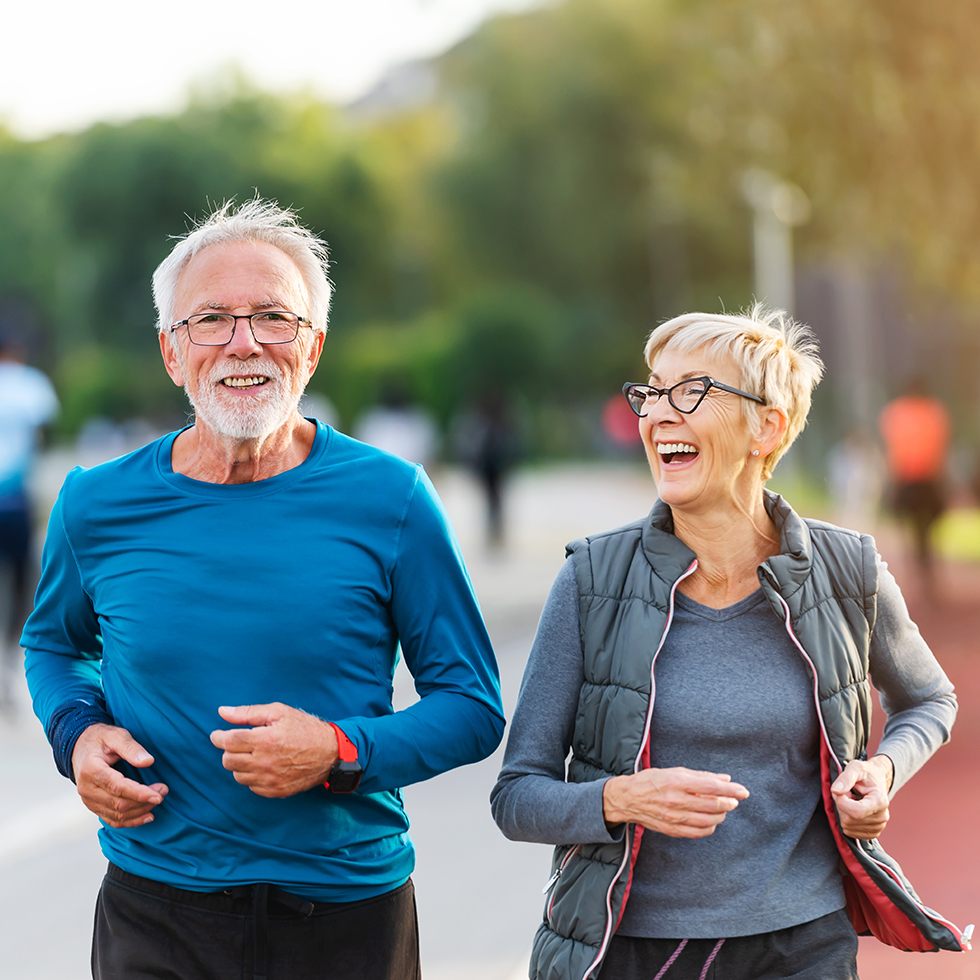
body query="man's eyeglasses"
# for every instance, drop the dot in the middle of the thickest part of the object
(217, 329)
(685, 396)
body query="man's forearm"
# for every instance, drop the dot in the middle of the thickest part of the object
(443, 730)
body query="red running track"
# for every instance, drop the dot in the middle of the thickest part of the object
(936, 815)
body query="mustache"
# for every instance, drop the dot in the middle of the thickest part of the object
(267, 369)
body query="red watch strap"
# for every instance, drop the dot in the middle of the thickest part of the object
(345, 747)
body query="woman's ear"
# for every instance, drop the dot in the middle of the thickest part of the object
(775, 422)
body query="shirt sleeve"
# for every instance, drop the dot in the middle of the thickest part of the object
(459, 718)
(531, 800)
(61, 637)
(915, 693)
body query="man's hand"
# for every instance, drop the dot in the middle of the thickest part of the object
(119, 801)
(677, 802)
(286, 751)
(861, 795)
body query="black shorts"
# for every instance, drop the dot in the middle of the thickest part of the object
(923, 500)
(145, 929)
(823, 949)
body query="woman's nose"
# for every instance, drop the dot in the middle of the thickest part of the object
(659, 410)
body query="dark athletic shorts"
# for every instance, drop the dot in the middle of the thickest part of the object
(824, 949)
(145, 929)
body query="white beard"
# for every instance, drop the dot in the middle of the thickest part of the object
(254, 417)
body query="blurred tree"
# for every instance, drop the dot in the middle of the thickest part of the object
(575, 171)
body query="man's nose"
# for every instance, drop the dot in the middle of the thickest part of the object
(242, 343)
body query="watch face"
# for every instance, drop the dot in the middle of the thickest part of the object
(344, 777)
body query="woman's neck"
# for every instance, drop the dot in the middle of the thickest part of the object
(730, 544)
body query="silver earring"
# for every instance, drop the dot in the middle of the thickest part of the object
(755, 452)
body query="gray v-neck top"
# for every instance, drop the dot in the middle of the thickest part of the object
(734, 696)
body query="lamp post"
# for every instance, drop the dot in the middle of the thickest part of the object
(777, 206)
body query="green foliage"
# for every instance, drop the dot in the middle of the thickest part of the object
(115, 383)
(506, 341)
(357, 365)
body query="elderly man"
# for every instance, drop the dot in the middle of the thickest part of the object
(215, 635)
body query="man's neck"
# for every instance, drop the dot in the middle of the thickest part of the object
(203, 454)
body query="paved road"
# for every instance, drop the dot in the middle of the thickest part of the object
(479, 895)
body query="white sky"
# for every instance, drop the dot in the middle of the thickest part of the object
(67, 63)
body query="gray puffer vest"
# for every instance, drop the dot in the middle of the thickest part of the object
(823, 586)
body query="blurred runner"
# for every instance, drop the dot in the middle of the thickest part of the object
(619, 422)
(856, 478)
(27, 401)
(487, 441)
(397, 426)
(916, 429)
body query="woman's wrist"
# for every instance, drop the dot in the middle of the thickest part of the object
(885, 764)
(614, 800)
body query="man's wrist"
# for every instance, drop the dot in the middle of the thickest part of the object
(66, 726)
(345, 774)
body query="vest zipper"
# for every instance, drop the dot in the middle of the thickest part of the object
(628, 843)
(553, 880)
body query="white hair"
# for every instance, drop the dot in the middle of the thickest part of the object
(256, 220)
(777, 358)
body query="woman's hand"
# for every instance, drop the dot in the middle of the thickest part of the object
(677, 802)
(861, 795)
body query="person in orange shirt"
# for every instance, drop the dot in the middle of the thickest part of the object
(916, 429)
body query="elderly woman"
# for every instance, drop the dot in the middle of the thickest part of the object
(705, 673)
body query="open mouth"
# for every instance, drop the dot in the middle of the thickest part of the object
(676, 452)
(252, 381)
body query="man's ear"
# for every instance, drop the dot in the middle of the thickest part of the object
(170, 362)
(313, 354)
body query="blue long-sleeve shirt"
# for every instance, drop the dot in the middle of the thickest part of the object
(168, 597)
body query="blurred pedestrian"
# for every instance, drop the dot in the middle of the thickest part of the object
(217, 626)
(398, 426)
(856, 479)
(27, 402)
(487, 441)
(619, 428)
(916, 430)
(693, 724)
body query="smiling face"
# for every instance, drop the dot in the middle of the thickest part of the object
(701, 461)
(243, 390)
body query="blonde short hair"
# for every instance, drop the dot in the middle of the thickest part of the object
(778, 360)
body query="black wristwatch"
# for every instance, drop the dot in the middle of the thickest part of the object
(345, 776)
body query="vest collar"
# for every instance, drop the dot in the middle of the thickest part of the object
(791, 567)
(669, 557)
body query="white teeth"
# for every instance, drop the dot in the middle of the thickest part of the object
(243, 382)
(666, 448)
